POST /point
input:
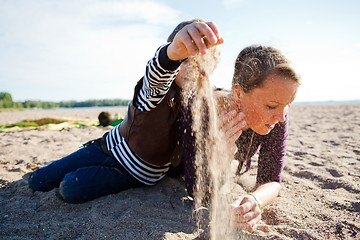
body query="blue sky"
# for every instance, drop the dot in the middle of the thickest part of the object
(95, 49)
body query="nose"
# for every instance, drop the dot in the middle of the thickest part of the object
(280, 115)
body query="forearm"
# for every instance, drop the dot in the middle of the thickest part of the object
(160, 73)
(267, 192)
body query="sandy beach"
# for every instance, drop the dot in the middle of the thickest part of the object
(320, 198)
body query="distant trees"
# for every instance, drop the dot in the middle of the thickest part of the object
(6, 101)
(39, 104)
(95, 103)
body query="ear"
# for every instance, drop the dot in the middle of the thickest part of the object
(237, 93)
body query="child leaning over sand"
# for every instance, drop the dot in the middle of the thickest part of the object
(137, 151)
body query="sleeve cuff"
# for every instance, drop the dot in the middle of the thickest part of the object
(166, 62)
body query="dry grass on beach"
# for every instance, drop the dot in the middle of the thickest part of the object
(320, 198)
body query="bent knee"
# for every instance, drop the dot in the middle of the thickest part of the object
(72, 192)
(38, 183)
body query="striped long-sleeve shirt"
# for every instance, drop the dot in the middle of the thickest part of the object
(159, 75)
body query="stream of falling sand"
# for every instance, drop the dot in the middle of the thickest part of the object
(212, 158)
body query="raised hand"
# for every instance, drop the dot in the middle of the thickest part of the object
(190, 40)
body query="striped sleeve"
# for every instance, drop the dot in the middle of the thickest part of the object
(159, 75)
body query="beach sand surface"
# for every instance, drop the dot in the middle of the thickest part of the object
(320, 198)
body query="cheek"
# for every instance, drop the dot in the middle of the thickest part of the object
(258, 117)
(253, 116)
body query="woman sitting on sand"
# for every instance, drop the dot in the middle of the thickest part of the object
(263, 86)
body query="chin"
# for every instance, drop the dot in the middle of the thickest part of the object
(262, 131)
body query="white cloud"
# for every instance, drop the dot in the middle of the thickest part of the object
(78, 49)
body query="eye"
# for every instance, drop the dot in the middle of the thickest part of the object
(270, 107)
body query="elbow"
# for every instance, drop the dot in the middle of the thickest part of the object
(278, 187)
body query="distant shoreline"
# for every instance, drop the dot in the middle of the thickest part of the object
(328, 102)
(295, 103)
(84, 108)
(61, 108)
(75, 113)
(110, 108)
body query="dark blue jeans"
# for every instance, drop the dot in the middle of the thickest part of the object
(83, 175)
